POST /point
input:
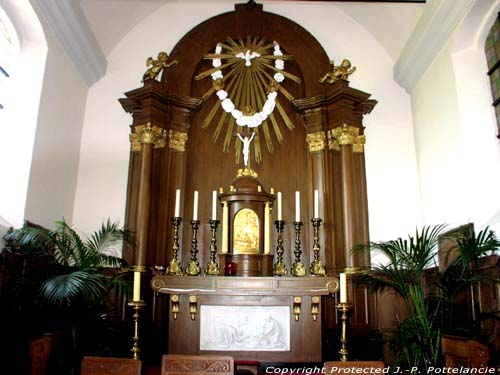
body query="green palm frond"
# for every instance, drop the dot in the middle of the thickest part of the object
(67, 289)
(472, 246)
(31, 241)
(109, 239)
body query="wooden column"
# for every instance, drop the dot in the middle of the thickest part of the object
(344, 138)
(155, 172)
(338, 171)
(144, 137)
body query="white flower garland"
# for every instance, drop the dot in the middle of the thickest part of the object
(228, 105)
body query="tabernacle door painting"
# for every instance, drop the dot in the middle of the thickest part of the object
(245, 328)
(246, 232)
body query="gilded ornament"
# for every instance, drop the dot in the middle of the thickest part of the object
(174, 300)
(193, 306)
(342, 71)
(316, 141)
(297, 301)
(359, 144)
(246, 76)
(157, 66)
(246, 172)
(315, 301)
(147, 134)
(346, 135)
(177, 140)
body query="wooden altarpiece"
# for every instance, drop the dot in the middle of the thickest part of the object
(171, 150)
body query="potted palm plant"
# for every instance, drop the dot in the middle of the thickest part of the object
(79, 277)
(429, 294)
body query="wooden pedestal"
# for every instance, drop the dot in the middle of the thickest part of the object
(246, 264)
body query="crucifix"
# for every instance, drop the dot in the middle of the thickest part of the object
(246, 146)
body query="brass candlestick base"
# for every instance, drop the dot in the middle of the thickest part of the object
(279, 268)
(343, 308)
(212, 266)
(174, 267)
(298, 268)
(317, 268)
(136, 306)
(193, 267)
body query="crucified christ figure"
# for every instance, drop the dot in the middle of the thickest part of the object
(246, 147)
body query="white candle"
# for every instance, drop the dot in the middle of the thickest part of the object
(280, 214)
(214, 205)
(343, 288)
(267, 229)
(177, 203)
(225, 221)
(195, 206)
(316, 204)
(137, 286)
(297, 206)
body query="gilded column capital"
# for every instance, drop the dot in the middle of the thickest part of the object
(346, 135)
(177, 140)
(316, 141)
(147, 134)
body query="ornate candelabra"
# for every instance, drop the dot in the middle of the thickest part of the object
(193, 267)
(298, 268)
(212, 266)
(343, 308)
(136, 306)
(317, 268)
(175, 268)
(279, 268)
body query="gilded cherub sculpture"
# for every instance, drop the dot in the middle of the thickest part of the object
(157, 66)
(342, 71)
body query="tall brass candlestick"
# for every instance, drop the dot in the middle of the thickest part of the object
(279, 267)
(343, 308)
(317, 268)
(175, 268)
(298, 268)
(212, 266)
(136, 306)
(193, 267)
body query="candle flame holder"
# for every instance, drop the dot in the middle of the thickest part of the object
(343, 308)
(317, 268)
(298, 268)
(279, 268)
(136, 306)
(212, 266)
(174, 267)
(193, 267)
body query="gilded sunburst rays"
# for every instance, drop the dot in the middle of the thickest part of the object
(248, 73)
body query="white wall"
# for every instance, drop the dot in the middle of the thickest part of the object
(18, 119)
(439, 141)
(391, 163)
(482, 183)
(54, 168)
(455, 130)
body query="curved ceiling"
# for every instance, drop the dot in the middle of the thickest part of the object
(111, 20)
